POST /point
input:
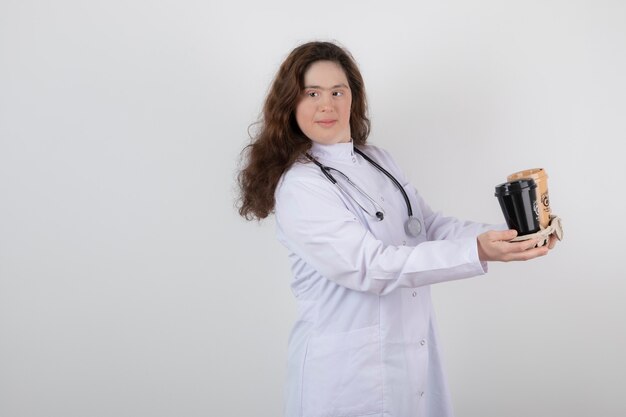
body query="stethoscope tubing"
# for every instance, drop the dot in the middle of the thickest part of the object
(391, 177)
(326, 171)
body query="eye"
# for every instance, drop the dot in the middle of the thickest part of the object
(338, 93)
(312, 93)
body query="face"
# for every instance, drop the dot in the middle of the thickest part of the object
(323, 113)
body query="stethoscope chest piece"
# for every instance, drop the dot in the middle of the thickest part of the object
(413, 226)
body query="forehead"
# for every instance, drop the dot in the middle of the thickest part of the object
(325, 73)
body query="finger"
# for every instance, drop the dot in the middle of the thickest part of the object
(529, 254)
(517, 247)
(533, 243)
(552, 242)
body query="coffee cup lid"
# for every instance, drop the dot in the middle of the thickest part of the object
(515, 187)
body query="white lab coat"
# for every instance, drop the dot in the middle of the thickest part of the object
(365, 340)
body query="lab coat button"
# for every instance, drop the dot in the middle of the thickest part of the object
(421, 394)
(353, 159)
(414, 294)
(422, 342)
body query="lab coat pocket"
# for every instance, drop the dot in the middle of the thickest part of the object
(343, 374)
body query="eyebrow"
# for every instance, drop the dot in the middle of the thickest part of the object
(331, 88)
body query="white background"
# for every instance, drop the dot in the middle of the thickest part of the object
(129, 286)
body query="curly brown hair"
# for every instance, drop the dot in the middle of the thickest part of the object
(279, 141)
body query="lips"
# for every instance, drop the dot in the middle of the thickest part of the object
(326, 122)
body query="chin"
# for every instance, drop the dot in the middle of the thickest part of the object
(329, 141)
(333, 139)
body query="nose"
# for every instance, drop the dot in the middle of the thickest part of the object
(325, 103)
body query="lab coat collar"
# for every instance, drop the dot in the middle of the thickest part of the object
(335, 152)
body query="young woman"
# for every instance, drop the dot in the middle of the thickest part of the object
(364, 247)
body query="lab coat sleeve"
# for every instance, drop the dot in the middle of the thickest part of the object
(314, 223)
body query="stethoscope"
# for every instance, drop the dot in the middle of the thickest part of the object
(412, 226)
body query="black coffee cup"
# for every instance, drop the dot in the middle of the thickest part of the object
(518, 201)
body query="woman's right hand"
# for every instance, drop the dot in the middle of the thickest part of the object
(495, 245)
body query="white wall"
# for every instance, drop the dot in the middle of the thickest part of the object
(130, 287)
